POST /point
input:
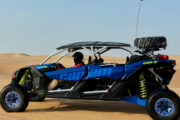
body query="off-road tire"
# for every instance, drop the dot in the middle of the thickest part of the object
(24, 98)
(157, 95)
(150, 43)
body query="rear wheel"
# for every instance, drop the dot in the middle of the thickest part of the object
(163, 105)
(14, 98)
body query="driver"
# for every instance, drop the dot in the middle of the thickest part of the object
(78, 61)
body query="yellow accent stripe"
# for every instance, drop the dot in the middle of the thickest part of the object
(144, 63)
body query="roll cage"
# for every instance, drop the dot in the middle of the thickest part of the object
(95, 48)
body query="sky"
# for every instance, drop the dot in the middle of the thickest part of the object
(37, 27)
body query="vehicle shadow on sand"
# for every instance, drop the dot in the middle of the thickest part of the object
(90, 105)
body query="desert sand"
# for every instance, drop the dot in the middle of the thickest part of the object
(69, 109)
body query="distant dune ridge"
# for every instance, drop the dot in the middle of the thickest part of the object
(67, 109)
(14, 54)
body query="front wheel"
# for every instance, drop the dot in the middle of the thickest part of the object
(163, 105)
(14, 98)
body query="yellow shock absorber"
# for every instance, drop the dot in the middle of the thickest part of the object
(143, 89)
(24, 77)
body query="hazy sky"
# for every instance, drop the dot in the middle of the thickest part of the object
(37, 27)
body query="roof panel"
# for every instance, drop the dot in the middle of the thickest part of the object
(94, 44)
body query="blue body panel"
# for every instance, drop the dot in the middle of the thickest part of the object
(96, 71)
(92, 72)
(130, 68)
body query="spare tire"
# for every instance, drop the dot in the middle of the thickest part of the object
(150, 43)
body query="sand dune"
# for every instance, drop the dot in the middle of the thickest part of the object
(69, 109)
(14, 54)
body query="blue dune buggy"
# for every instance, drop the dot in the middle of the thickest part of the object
(142, 80)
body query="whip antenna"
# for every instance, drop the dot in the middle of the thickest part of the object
(137, 22)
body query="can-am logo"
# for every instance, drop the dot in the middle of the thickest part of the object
(103, 72)
(72, 76)
(75, 76)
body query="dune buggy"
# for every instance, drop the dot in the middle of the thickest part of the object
(142, 80)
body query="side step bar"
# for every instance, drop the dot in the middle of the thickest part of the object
(63, 90)
(85, 93)
(59, 90)
(94, 92)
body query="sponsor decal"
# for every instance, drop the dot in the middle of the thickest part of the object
(151, 62)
